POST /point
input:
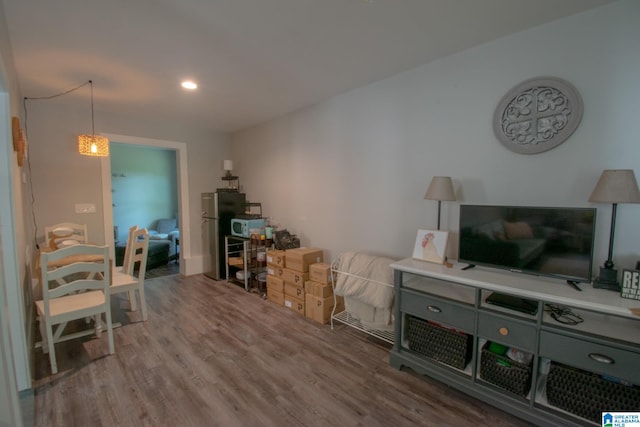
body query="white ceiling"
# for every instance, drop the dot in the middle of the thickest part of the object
(254, 60)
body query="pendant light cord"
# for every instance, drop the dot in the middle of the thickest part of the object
(90, 82)
(93, 129)
(26, 134)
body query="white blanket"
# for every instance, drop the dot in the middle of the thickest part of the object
(370, 317)
(368, 278)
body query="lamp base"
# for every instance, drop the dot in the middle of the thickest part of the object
(608, 279)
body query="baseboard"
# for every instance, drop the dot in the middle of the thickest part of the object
(194, 265)
(27, 406)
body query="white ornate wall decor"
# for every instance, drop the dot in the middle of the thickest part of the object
(537, 115)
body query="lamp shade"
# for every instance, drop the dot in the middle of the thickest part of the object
(616, 186)
(227, 165)
(93, 145)
(440, 188)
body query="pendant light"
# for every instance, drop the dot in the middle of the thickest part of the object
(93, 145)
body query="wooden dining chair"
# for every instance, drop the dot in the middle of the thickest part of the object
(132, 279)
(127, 250)
(75, 289)
(65, 234)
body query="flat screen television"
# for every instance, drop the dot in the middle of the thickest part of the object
(546, 241)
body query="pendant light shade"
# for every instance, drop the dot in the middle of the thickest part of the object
(93, 145)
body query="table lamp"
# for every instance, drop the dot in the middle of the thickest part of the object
(227, 165)
(440, 188)
(614, 186)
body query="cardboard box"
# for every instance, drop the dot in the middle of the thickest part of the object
(296, 277)
(294, 304)
(276, 258)
(236, 261)
(277, 297)
(319, 290)
(320, 272)
(275, 284)
(293, 290)
(275, 271)
(299, 259)
(320, 309)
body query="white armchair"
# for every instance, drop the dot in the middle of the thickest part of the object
(166, 229)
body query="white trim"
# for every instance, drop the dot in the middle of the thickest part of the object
(14, 364)
(183, 193)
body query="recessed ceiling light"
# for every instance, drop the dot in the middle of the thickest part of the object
(188, 84)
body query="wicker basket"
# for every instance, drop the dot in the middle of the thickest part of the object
(588, 395)
(505, 373)
(441, 344)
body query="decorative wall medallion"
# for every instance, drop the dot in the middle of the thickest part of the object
(537, 115)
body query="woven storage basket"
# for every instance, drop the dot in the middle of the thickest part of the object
(505, 373)
(587, 395)
(444, 345)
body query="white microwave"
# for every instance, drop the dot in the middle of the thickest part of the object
(243, 227)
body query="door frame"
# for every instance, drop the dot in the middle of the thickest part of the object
(183, 192)
(15, 371)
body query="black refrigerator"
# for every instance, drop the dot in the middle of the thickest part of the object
(217, 211)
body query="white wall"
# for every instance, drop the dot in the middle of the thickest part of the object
(351, 173)
(62, 177)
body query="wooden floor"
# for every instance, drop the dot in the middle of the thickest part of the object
(212, 354)
(163, 270)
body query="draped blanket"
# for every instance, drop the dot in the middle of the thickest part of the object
(361, 280)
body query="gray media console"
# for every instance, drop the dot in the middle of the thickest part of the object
(528, 364)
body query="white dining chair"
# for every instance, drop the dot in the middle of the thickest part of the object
(76, 290)
(65, 234)
(127, 250)
(132, 279)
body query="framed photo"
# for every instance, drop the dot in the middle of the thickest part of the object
(630, 285)
(431, 246)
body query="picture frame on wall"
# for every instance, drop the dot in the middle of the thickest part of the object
(431, 246)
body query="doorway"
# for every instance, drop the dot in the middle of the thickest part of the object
(182, 187)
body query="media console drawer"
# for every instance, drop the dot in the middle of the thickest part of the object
(590, 356)
(511, 332)
(438, 310)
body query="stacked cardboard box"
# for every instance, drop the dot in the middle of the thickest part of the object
(275, 269)
(276, 258)
(296, 273)
(319, 299)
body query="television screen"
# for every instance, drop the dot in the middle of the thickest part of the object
(556, 241)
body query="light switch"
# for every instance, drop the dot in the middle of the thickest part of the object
(85, 208)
